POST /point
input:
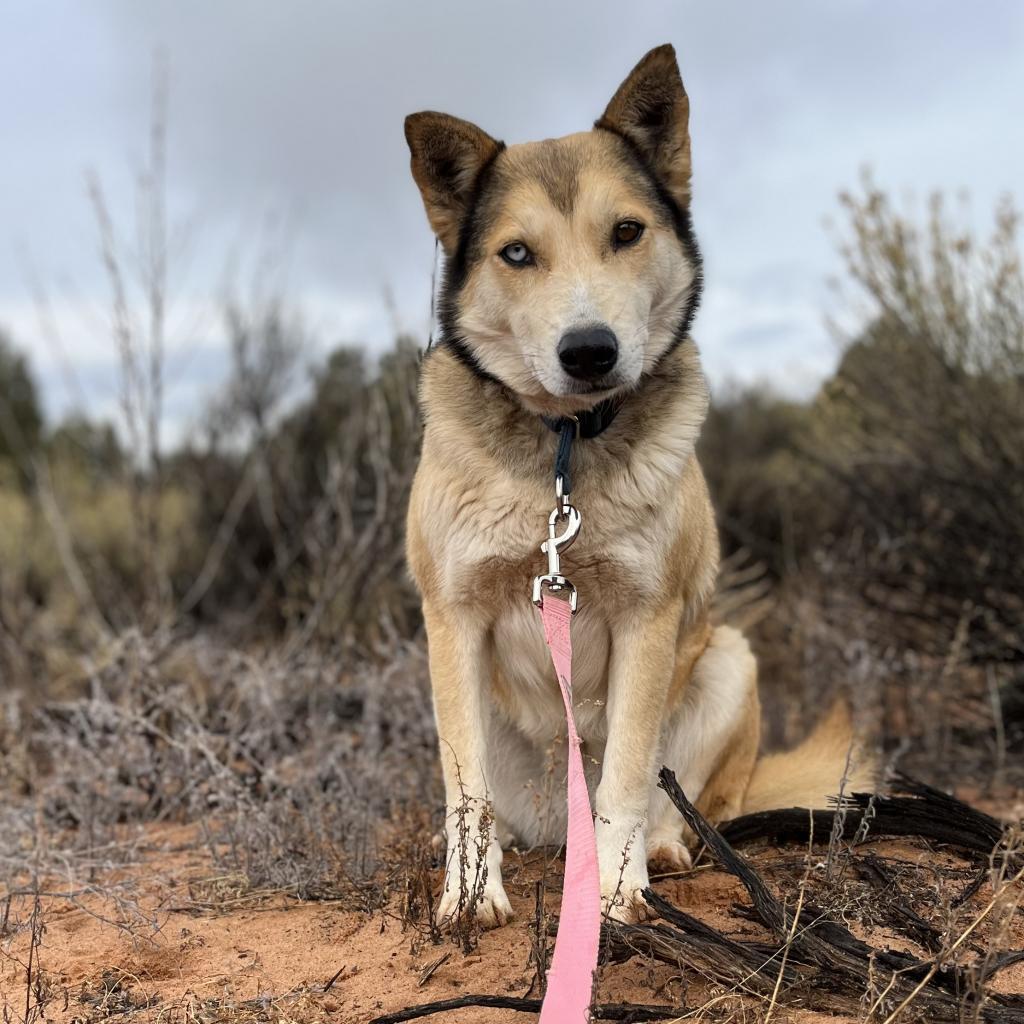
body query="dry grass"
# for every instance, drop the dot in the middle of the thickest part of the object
(289, 765)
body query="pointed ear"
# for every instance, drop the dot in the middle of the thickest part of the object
(447, 157)
(651, 110)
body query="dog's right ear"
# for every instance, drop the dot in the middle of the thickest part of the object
(448, 155)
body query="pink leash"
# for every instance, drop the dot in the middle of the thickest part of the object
(571, 975)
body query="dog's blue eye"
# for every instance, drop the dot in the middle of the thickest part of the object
(516, 254)
(627, 232)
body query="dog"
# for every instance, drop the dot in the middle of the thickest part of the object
(571, 279)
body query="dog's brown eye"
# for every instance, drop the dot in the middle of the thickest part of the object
(515, 254)
(627, 232)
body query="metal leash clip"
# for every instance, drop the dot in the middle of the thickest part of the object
(553, 579)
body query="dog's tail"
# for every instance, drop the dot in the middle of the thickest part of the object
(830, 760)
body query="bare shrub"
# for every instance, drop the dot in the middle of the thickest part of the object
(888, 510)
(922, 426)
(293, 768)
(310, 516)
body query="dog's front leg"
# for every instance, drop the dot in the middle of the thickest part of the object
(640, 672)
(459, 667)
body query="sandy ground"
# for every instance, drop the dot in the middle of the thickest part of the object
(257, 956)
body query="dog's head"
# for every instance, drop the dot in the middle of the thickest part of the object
(571, 266)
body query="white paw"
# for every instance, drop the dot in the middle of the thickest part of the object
(668, 853)
(626, 905)
(621, 854)
(622, 888)
(492, 908)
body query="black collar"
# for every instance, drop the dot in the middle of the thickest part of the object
(588, 424)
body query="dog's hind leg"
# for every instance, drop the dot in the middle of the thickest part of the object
(710, 742)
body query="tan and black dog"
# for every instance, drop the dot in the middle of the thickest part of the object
(571, 280)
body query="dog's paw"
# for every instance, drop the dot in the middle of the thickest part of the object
(626, 905)
(668, 853)
(492, 909)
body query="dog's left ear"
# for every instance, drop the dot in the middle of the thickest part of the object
(651, 109)
(448, 155)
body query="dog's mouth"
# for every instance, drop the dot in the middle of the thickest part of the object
(572, 397)
(592, 390)
(597, 388)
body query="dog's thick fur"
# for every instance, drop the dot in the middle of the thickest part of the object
(653, 681)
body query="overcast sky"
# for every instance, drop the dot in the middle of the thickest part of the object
(289, 114)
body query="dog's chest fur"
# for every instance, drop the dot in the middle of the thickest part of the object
(612, 568)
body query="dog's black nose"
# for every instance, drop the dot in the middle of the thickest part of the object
(588, 352)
